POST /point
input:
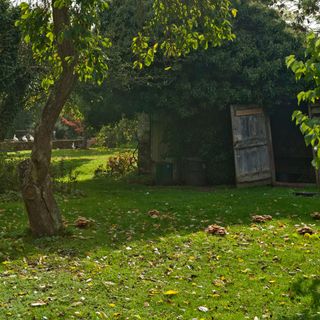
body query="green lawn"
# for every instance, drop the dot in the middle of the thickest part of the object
(131, 266)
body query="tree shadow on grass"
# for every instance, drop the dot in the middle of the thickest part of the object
(306, 289)
(120, 211)
(63, 167)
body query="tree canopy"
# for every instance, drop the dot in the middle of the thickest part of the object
(66, 37)
(250, 69)
(15, 74)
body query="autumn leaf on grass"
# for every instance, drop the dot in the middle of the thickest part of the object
(203, 309)
(216, 229)
(261, 218)
(171, 293)
(304, 230)
(316, 215)
(38, 303)
(83, 222)
(154, 213)
(101, 315)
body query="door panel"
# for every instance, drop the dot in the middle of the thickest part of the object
(252, 145)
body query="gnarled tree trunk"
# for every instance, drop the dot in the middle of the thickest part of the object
(36, 185)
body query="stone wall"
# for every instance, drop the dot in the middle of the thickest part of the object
(57, 144)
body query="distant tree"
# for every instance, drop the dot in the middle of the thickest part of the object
(196, 92)
(250, 69)
(301, 14)
(66, 35)
(14, 72)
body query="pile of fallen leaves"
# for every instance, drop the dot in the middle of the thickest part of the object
(83, 222)
(304, 230)
(261, 218)
(316, 215)
(154, 213)
(216, 229)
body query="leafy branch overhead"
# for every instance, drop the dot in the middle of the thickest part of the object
(178, 27)
(309, 70)
(50, 39)
(310, 128)
(175, 28)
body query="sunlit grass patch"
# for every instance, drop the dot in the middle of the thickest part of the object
(129, 264)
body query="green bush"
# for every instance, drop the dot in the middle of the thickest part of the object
(120, 134)
(9, 180)
(118, 166)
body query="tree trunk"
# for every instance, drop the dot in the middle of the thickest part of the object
(36, 185)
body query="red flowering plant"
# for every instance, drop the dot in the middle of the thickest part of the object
(75, 125)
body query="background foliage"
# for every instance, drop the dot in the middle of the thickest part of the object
(196, 92)
(15, 68)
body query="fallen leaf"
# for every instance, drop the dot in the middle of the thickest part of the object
(38, 303)
(261, 218)
(216, 229)
(203, 309)
(154, 213)
(171, 293)
(83, 222)
(316, 215)
(305, 230)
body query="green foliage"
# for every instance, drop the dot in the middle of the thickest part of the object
(87, 47)
(65, 178)
(118, 166)
(309, 71)
(178, 27)
(249, 69)
(175, 28)
(15, 74)
(195, 94)
(120, 134)
(310, 128)
(8, 173)
(302, 15)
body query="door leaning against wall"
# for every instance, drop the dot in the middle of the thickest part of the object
(252, 146)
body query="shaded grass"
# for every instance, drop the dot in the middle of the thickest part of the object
(124, 264)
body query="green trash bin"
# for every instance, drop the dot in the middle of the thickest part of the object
(164, 173)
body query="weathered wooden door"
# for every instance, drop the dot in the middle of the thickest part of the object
(252, 146)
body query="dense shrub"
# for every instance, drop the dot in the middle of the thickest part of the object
(8, 173)
(119, 165)
(120, 134)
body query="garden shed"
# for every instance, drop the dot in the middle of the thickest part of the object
(225, 117)
(254, 148)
